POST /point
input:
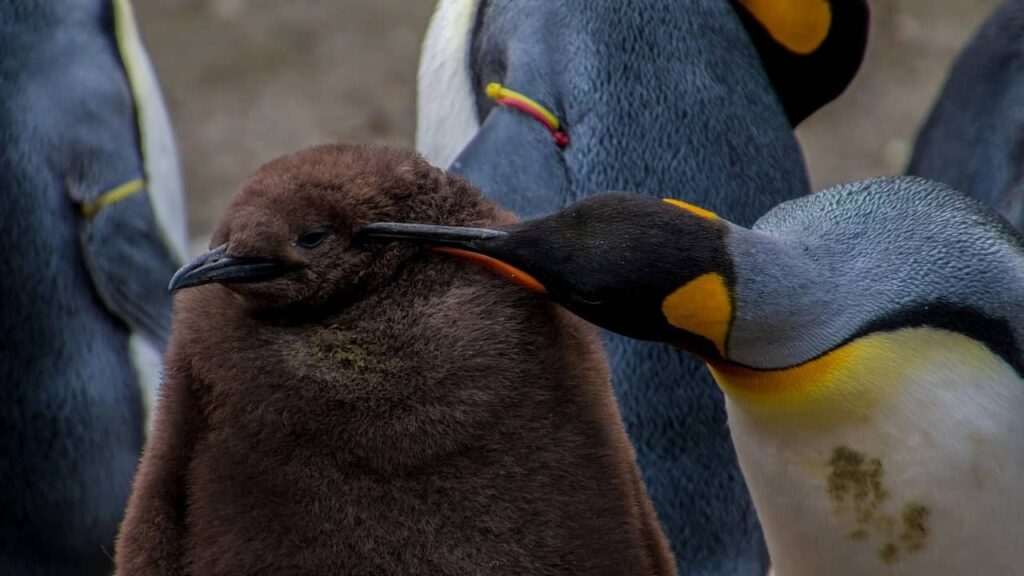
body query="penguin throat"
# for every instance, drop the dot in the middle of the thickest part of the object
(910, 456)
(849, 381)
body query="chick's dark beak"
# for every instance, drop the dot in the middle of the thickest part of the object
(217, 266)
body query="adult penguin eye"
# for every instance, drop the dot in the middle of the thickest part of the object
(312, 239)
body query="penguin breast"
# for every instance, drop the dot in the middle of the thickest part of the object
(903, 451)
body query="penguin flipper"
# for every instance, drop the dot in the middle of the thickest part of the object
(131, 264)
(531, 180)
(133, 245)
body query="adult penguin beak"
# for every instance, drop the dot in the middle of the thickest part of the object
(217, 266)
(480, 246)
(449, 236)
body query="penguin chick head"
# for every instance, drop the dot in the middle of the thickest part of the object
(285, 241)
(606, 259)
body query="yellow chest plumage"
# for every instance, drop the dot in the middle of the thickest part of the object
(849, 381)
(898, 453)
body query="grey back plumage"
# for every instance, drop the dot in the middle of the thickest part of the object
(75, 287)
(973, 138)
(878, 254)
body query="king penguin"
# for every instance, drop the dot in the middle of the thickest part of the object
(543, 103)
(868, 339)
(972, 139)
(92, 225)
(334, 409)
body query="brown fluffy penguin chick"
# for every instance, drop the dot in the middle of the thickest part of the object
(334, 409)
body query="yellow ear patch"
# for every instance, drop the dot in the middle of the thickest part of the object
(696, 210)
(702, 307)
(798, 25)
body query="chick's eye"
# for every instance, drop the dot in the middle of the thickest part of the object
(312, 239)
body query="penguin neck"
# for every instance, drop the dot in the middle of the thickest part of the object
(781, 295)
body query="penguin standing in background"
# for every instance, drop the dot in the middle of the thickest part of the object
(868, 339)
(973, 139)
(332, 409)
(543, 103)
(92, 228)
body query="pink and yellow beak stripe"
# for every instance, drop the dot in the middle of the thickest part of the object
(512, 99)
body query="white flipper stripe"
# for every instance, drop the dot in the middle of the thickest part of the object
(160, 157)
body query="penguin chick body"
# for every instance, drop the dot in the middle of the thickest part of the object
(868, 341)
(331, 409)
(92, 227)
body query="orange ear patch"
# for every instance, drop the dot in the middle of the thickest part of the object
(800, 26)
(703, 307)
(506, 271)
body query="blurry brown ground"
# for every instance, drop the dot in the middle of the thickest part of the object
(247, 80)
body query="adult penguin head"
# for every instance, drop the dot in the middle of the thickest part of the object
(606, 258)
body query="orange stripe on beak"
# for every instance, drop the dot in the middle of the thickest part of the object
(506, 271)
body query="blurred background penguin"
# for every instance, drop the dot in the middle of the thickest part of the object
(92, 225)
(541, 104)
(973, 138)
